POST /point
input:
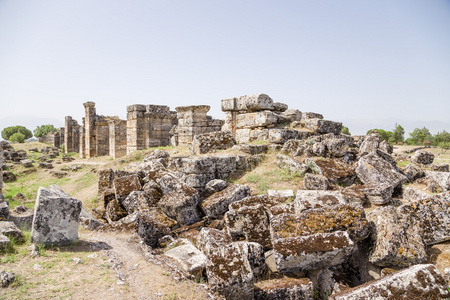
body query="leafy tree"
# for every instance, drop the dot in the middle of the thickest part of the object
(420, 135)
(441, 137)
(385, 135)
(444, 145)
(9, 131)
(398, 134)
(44, 129)
(17, 137)
(345, 130)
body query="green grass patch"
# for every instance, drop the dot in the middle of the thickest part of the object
(403, 163)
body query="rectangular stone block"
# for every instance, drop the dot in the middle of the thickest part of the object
(257, 119)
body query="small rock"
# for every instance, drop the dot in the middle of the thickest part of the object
(7, 278)
(77, 260)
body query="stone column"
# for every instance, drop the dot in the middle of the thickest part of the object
(135, 127)
(61, 136)
(82, 143)
(75, 136)
(68, 135)
(117, 138)
(89, 129)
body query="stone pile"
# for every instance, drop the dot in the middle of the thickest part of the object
(257, 117)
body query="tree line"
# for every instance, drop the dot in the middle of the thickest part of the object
(20, 134)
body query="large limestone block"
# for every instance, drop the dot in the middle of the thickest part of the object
(411, 194)
(56, 217)
(251, 149)
(340, 217)
(413, 172)
(189, 258)
(370, 143)
(323, 126)
(249, 220)
(217, 204)
(316, 182)
(335, 170)
(441, 178)
(152, 225)
(374, 169)
(181, 205)
(423, 157)
(123, 186)
(192, 165)
(208, 142)
(311, 115)
(281, 135)
(417, 282)
(229, 273)
(307, 199)
(210, 239)
(10, 230)
(256, 119)
(396, 243)
(293, 165)
(292, 115)
(284, 288)
(140, 200)
(294, 254)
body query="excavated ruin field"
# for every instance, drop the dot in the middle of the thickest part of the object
(114, 262)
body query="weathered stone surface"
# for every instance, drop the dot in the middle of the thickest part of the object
(439, 167)
(281, 194)
(340, 217)
(123, 186)
(254, 253)
(189, 258)
(307, 199)
(4, 211)
(217, 204)
(374, 169)
(335, 170)
(193, 165)
(442, 179)
(294, 254)
(413, 172)
(386, 147)
(396, 243)
(411, 194)
(7, 278)
(423, 157)
(229, 273)
(323, 126)
(114, 211)
(377, 193)
(281, 135)
(10, 230)
(256, 119)
(210, 239)
(337, 145)
(208, 142)
(416, 282)
(292, 115)
(284, 288)
(26, 163)
(152, 225)
(316, 182)
(294, 147)
(56, 217)
(8, 176)
(214, 186)
(247, 219)
(157, 154)
(139, 200)
(251, 149)
(181, 205)
(370, 144)
(22, 217)
(293, 165)
(248, 103)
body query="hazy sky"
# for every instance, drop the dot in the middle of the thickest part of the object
(358, 62)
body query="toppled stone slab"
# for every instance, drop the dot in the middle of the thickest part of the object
(316, 182)
(411, 194)
(152, 225)
(123, 186)
(323, 126)
(442, 179)
(307, 199)
(189, 258)
(115, 211)
(335, 170)
(217, 204)
(439, 167)
(56, 217)
(374, 169)
(214, 186)
(413, 172)
(210, 239)
(417, 282)
(192, 165)
(340, 217)
(248, 103)
(10, 230)
(294, 254)
(229, 272)
(370, 143)
(377, 193)
(281, 135)
(281, 193)
(284, 288)
(208, 142)
(181, 205)
(423, 157)
(396, 243)
(26, 163)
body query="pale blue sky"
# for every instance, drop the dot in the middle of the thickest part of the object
(363, 63)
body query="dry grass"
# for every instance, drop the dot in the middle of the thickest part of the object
(444, 157)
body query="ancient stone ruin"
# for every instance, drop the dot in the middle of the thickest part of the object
(351, 229)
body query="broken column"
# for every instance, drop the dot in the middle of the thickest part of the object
(117, 138)
(71, 141)
(82, 144)
(89, 128)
